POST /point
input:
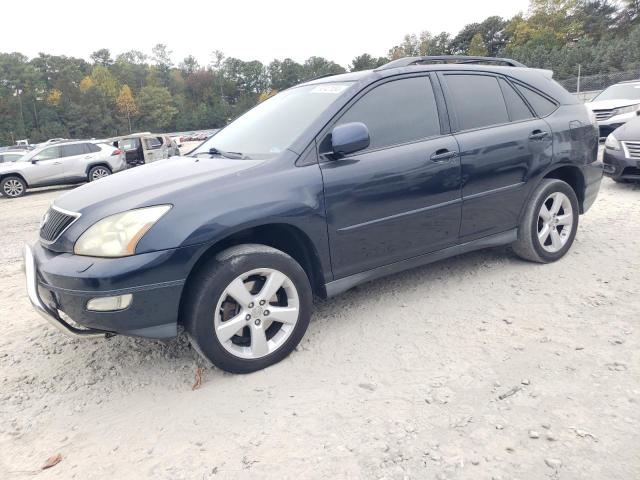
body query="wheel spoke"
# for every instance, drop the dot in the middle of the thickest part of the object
(544, 234)
(545, 214)
(557, 203)
(228, 329)
(238, 291)
(566, 219)
(556, 241)
(288, 315)
(272, 285)
(259, 346)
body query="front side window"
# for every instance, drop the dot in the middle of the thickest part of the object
(477, 100)
(47, 154)
(397, 112)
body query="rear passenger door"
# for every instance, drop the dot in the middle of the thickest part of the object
(502, 145)
(400, 197)
(76, 157)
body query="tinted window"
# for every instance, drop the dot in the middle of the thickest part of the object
(397, 112)
(477, 101)
(72, 150)
(92, 148)
(48, 154)
(516, 107)
(540, 104)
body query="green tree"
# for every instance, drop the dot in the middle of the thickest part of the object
(157, 110)
(477, 46)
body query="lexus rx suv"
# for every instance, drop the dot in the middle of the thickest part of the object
(58, 164)
(326, 185)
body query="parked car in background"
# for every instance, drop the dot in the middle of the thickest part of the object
(12, 155)
(622, 152)
(59, 164)
(326, 185)
(141, 148)
(616, 105)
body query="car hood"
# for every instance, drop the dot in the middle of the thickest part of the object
(151, 184)
(609, 104)
(629, 132)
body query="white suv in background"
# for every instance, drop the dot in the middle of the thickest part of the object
(616, 105)
(58, 164)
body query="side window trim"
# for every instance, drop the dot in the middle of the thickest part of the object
(517, 92)
(515, 83)
(443, 119)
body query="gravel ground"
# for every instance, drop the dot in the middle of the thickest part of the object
(481, 366)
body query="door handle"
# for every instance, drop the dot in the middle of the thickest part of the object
(538, 135)
(57, 163)
(443, 155)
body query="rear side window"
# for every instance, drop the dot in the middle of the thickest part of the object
(540, 104)
(397, 112)
(72, 150)
(92, 148)
(477, 101)
(516, 107)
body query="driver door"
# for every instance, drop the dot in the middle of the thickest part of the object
(48, 167)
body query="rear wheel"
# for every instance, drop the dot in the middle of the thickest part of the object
(248, 308)
(13, 187)
(98, 172)
(549, 224)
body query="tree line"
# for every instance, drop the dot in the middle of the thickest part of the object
(59, 96)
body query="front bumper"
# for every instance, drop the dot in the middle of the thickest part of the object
(609, 125)
(63, 283)
(49, 313)
(620, 167)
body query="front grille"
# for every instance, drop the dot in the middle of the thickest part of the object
(604, 114)
(54, 223)
(633, 148)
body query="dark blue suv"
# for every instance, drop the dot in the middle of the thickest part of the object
(326, 185)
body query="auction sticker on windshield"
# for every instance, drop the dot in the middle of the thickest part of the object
(329, 89)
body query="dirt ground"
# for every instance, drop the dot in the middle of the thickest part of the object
(480, 367)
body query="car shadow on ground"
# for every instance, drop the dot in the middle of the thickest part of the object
(35, 191)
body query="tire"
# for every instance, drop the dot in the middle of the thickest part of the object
(13, 187)
(545, 245)
(619, 180)
(98, 172)
(260, 339)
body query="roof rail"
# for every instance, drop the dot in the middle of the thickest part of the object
(407, 61)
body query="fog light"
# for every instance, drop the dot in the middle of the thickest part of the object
(109, 304)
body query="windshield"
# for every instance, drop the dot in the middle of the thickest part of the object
(629, 91)
(276, 123)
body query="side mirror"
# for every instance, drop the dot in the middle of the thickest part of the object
(34, 162)
(349, 138)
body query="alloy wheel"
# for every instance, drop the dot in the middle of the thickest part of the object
(99, 173)
(256, 313)
(13, 188)
(555, 222)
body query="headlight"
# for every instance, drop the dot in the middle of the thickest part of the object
(612, 143)
(118, 235)
(629, 109)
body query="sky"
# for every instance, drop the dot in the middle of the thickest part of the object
(336, 29)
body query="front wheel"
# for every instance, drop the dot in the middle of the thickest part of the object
(247, 308)
(549, 224)
(13, 187)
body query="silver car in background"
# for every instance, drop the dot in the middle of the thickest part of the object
(59, 164)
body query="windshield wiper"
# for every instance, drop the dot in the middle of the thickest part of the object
(222, 153)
